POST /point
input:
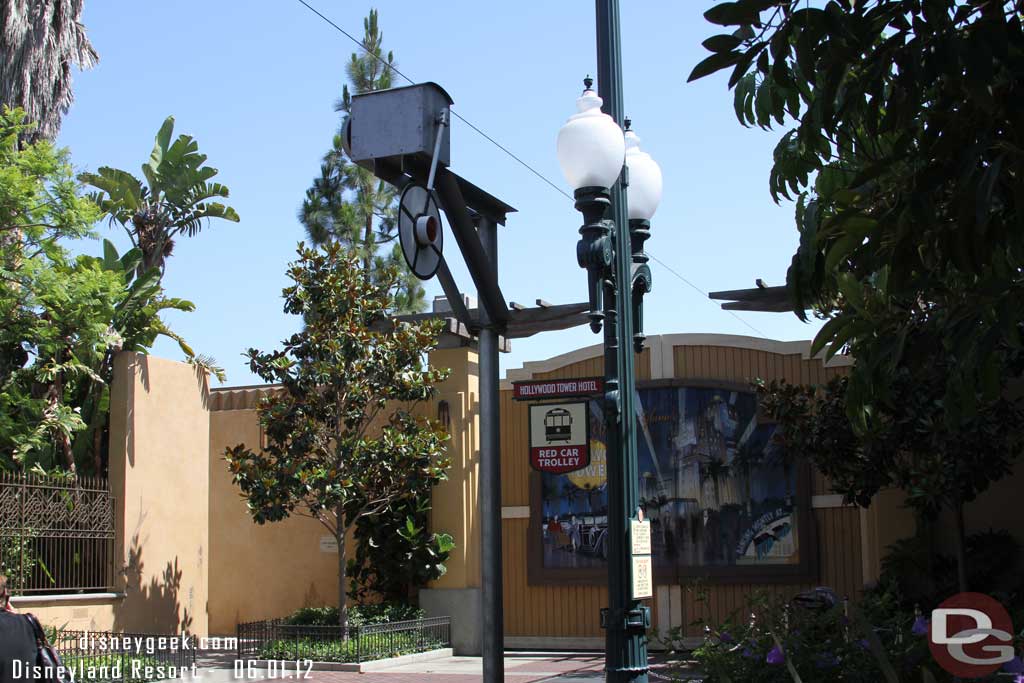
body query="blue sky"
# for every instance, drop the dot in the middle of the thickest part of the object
(255, 84)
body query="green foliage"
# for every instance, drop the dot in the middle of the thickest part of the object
(358, 615)
(347, 203)
(377, 646)
(395, 553)
(175, 199)
(64, 317)
(911, 446)
(925, 577)
(18, 560)
(905, 162)
(342, 442)
(814, 638)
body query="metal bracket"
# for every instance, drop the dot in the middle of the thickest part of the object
(480, 266)
(442, 121)
(638, 619)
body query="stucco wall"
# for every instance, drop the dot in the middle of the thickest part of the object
(159, 478)
(159, 436)
(257, 571)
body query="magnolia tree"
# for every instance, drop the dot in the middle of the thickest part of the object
(343, 444)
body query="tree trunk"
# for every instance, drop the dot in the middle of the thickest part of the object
(961, 552)
(368, 243)
(342, 575)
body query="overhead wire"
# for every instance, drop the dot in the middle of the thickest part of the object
(507, 151)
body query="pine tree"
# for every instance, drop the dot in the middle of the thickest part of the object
(347, 203)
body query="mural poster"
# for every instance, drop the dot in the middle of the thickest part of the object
(716, 489)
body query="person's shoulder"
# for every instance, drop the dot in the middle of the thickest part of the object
(10, 620)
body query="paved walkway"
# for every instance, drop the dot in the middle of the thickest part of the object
(520, 667)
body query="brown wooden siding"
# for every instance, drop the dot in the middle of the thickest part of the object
(572, 610)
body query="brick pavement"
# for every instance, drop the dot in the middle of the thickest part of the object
(520, 667)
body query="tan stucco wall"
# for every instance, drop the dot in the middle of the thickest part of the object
(159, 451)
(258, 571)
(455, 501)
(89, 614)
(159, 436)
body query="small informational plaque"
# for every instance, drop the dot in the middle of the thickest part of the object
(328, 544)
(640, 533)
(643, 578)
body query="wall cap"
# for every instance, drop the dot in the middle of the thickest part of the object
(668, 341)
(65, 597)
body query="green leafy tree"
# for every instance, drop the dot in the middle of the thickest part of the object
(905, 160)
(395, 551)
(905, 163)
(54, 308)
(175, 199)
(342, 442)
(64, 317)
(912, 448)
(348, 203)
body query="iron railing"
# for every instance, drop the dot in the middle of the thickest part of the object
(125, 657)
(276, 639)
(56, 536)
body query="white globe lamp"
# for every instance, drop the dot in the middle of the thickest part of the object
(591, 147)
(644, 193)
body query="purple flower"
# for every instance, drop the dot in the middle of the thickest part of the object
(920, 627)
(1019, 678)
(864, 644)
(775, 655)
(1014, 666)
(726, 638)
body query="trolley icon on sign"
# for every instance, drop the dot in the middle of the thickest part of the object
(557, 425)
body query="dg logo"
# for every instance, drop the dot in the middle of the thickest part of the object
(971, 635)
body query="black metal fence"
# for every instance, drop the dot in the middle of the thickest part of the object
(125, 657)
(56, 535)
(276, 639)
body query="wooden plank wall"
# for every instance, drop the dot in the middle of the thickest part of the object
(572, 610)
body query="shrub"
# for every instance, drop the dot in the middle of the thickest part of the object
(358, 615)
(815, 637)
(926, 578)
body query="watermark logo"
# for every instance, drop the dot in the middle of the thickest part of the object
(971, 635)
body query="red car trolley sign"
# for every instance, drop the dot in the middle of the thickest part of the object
(559, 437)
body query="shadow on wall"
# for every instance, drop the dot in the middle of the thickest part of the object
(203, 379)
(313, 597)
(154, 607)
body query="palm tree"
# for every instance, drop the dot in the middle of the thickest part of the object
(348, 203)
(41, 40)
(174, 201)
(717, 471)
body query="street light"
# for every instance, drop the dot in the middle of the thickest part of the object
(600, 162)
(644, 179)
(591, 146)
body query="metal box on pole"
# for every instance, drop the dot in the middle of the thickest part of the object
(399, 125)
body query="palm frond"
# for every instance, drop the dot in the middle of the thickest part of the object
(41, 43)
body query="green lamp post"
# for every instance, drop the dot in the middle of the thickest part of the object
(600, 161)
